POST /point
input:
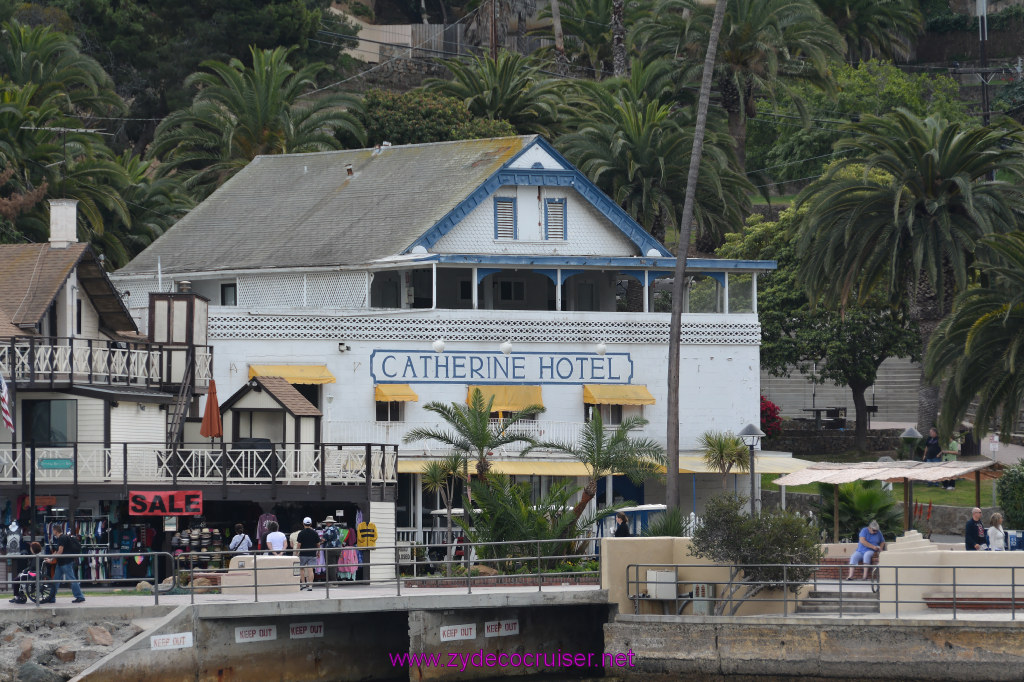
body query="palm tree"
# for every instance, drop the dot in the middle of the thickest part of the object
(605, 454)
(874, 28)
(631, 144)
(471, 430)
(685, 225)
(980, 346)
(510, 88)
(52, 61)
(239, 113)
(903, 214)
(723, 452)
(442, 477)
(765, 45)
(589, 27)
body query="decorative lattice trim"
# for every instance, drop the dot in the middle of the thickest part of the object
(408, 328)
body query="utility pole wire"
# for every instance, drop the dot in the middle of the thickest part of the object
(672, 440)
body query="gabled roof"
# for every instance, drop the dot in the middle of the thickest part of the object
(304, 210)
(32, 274)
(282, 392)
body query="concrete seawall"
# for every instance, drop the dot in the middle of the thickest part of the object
(707, 649)
(339, 639)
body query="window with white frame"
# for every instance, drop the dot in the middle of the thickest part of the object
(611, 415)
(505, 218)
(554, 219)
(389, 411)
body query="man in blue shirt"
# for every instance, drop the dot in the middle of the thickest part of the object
(871, 541)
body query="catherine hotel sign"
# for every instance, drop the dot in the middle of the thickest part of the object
(489, 367)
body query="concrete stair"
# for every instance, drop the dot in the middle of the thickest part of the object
(855, 596)
(895, 393)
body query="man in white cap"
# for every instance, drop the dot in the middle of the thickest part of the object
(308, 541)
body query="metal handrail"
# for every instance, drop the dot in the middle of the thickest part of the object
(845, 598)
(41, 560)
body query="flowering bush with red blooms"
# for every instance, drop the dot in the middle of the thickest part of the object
(771, 423)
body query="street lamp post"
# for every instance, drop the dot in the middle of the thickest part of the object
(751, 436)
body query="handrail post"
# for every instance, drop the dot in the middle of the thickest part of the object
(954, 593)
(785, 593)
(39, 584)
(398, 576)
(192, 580)
(540, 587)
(256, 574)
(154, 560)
(1013, 593)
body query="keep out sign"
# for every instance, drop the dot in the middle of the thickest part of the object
(165, 503)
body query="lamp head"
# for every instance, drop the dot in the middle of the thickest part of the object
(910, 433)
(506, 347)
(438, 346)
(751, 435)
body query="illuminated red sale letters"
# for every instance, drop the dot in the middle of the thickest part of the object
(165, 502)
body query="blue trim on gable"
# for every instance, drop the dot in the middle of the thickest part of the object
(543, 178)
(548, 202)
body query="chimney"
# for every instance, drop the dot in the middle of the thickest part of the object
(63, 223)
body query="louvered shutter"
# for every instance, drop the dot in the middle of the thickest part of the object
(504, 218)
(554, 219)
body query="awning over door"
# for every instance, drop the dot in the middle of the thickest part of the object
(518, 467)
(508, 398)
(395, 393)
(616, 394)
(294, 374)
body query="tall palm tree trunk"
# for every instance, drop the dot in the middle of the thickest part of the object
(619, 65)
(589, 492)
(561, 61)
(927, 309)
(685, 225)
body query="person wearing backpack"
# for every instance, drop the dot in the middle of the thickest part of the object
(66, 544)
(331, 544)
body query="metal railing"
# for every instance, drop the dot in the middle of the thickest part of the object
(519, 563)
(33, 587)
(124, 463)
(889, 585)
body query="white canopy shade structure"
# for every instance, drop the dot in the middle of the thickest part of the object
(907, 471)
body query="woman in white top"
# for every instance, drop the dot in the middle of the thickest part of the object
(996, 536)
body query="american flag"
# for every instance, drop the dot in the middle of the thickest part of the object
(5, 406)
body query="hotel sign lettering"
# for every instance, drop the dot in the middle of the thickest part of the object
(487, 367)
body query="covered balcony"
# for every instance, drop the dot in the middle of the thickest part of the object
(36, 362)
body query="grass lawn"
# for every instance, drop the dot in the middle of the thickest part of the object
(757, 199)
(962, 496)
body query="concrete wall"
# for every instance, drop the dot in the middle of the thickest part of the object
(670, 648)
(912, 568)
(639, 555)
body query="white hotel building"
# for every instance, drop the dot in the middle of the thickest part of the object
(375, 281)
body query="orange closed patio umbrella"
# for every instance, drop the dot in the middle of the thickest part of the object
(212, 426)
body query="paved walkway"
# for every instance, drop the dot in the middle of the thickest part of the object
(320, 593)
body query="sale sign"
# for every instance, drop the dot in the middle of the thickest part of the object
(165, 502)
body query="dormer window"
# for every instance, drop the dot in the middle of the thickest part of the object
(554, 219)
(505, 218)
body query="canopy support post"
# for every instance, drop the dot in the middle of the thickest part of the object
(906, 505)
(835, 513)
(977, 488)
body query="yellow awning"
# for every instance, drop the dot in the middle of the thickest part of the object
(294, 374)
(616, 394)
(395, 393)
(516, 467)
(763, 464)
(508, 398)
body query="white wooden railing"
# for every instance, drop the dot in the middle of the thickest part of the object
(94, 361)
(148, 464)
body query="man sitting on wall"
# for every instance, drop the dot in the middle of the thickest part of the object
(871, 540)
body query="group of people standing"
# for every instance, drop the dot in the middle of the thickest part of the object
(977, 537)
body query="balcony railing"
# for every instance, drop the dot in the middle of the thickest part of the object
(125, 463)
(61, 360)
